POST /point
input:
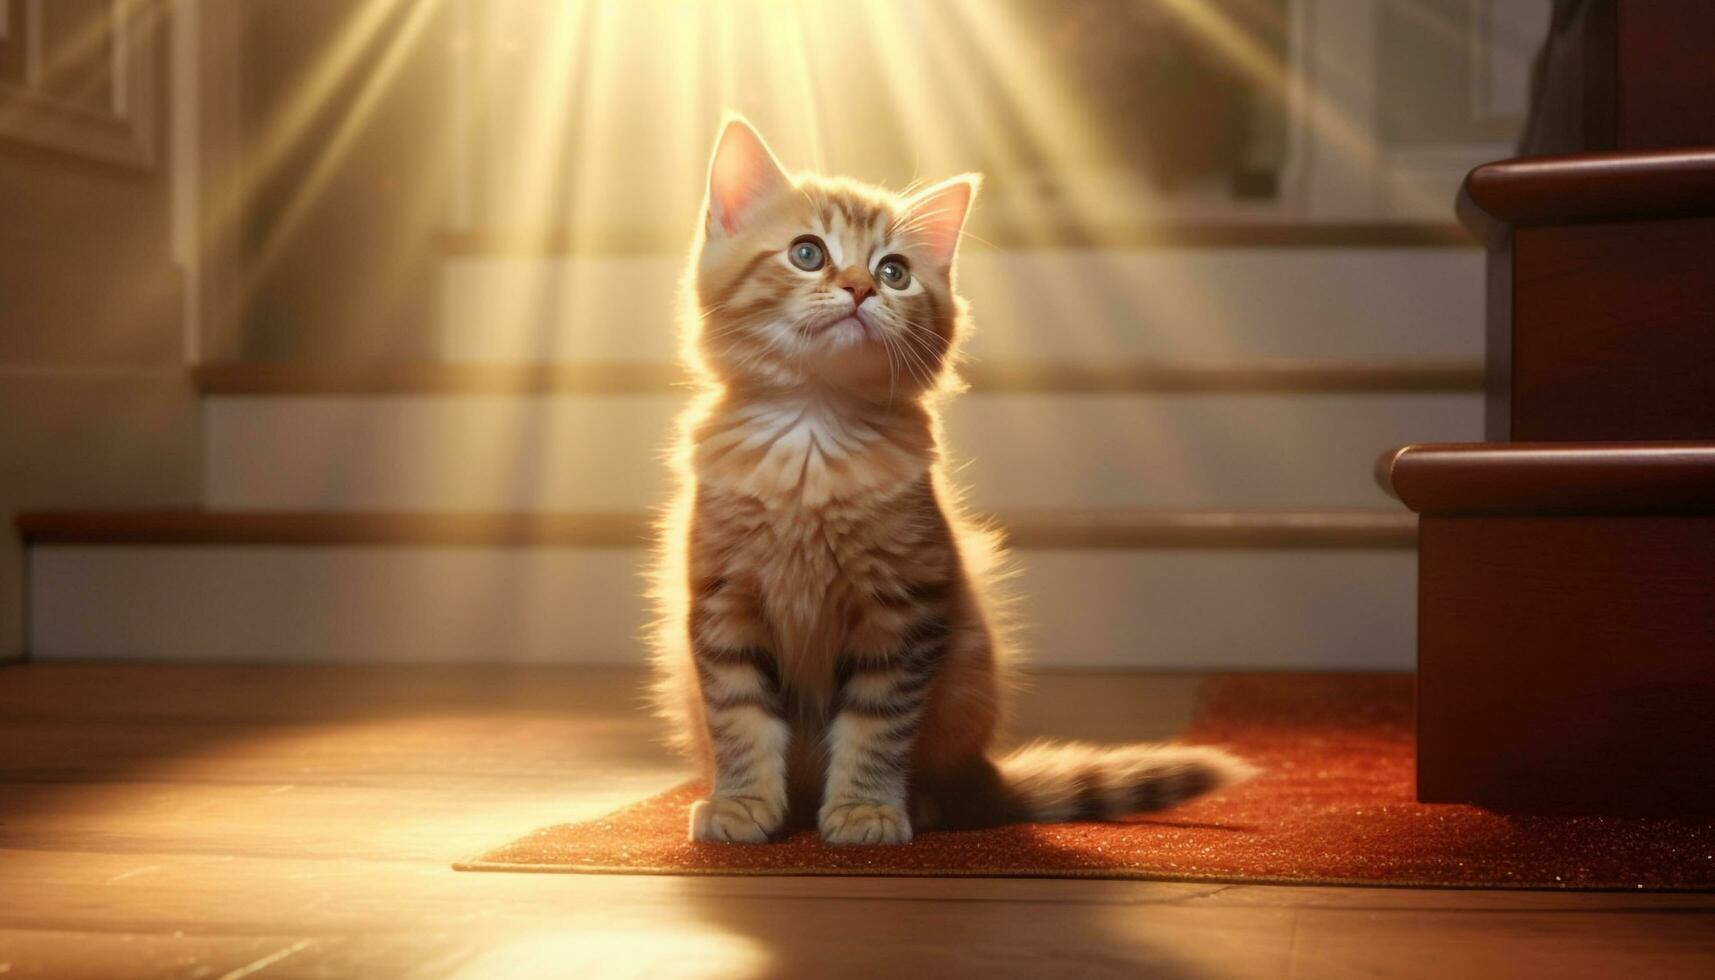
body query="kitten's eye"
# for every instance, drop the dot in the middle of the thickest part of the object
(894, 271)
(807, 253)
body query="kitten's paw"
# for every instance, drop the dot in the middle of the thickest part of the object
(740, 820)
(864, 822)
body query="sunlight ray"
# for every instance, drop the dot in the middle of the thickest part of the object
(307, 190)
(321, 81)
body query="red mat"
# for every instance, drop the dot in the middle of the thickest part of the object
(1334, 806)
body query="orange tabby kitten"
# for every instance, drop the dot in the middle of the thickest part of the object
(828, 647)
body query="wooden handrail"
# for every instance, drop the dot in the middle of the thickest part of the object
(1556, 478)
(1594, 187)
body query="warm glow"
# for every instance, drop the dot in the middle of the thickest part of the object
(890, 90)
(674, 947)
(580, 134)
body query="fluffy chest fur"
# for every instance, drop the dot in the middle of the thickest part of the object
(806, 453)
(811, 509)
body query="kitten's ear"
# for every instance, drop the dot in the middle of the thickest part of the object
(742, 174)
(936, 216)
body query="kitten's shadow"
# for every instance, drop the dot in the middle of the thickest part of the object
(866, 925)
(946, 927)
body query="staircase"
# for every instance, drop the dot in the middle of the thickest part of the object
(1176, 430)
(1566, 656)
(1170, 504)
(485, 513)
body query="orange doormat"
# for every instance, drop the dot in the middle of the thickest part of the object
(1334, 805)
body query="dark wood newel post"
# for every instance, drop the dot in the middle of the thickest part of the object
(1566, 635)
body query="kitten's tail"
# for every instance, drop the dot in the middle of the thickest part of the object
(1056, 782)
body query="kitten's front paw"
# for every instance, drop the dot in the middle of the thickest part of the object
(865, 823)
(740, 820)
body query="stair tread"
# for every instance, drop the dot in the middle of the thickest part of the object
(1087, 529)
(1136, 376)
(1593, 186)
(551, 240)
(1556, 477)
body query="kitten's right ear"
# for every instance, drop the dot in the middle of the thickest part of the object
(742, 175)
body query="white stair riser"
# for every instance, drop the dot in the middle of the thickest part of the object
(1062, 305)
(604, 452)
(1208, 610)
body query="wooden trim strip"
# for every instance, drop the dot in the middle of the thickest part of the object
(200, 527)
(1596, 187)
(1257, 376)
(1271, 529)
(1556, 478)
(1081, 529)
(527, 242)
(406, 378)
(1137, 377)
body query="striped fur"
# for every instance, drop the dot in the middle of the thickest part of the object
(831, 648)
(1058, 782)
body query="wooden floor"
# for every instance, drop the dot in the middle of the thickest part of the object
(228, 822)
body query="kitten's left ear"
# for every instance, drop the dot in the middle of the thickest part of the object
(936, 216)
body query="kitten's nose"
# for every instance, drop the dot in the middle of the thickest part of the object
(858, 291)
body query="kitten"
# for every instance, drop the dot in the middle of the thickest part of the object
(829, 647)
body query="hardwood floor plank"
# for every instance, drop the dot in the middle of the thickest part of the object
(197, 821)
(1336, 944)
(101, 956)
